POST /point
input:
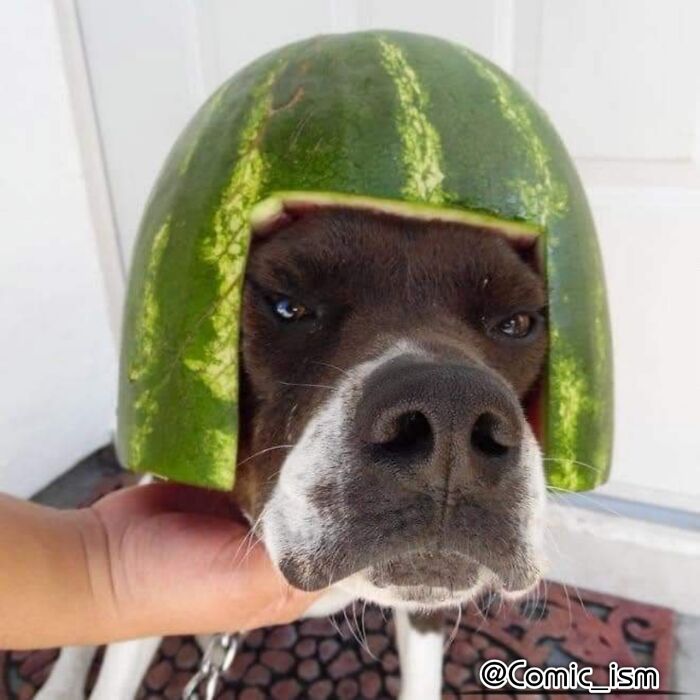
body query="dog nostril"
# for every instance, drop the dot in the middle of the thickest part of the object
(409, 433)
(487, 436)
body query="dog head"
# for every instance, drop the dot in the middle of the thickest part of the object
(384, 446)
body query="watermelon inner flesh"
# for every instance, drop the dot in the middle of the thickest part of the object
(280, 208)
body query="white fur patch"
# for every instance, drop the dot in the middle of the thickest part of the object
(292, 525)
(291, 522)
(420, 654)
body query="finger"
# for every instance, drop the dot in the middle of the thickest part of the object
(296, 603)
(278, 601)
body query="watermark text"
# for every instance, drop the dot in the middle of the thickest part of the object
(518, 675)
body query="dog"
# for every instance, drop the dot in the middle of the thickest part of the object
(384, 451)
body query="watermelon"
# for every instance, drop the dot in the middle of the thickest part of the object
(385, 121)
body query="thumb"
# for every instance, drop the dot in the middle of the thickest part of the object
(191, 573)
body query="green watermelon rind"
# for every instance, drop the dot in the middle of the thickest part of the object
(388, 121)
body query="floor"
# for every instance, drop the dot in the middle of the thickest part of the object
(353, 655)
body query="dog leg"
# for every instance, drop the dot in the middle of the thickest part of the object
(68, 675)
(420, 639)
(203, 641)
(123, 668)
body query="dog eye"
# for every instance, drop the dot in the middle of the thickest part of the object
(518, 325)
(290, 310)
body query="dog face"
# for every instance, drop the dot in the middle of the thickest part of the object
(383, 444)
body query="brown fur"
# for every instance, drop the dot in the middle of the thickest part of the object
(368, 276)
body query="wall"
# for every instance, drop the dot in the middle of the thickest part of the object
(57, 351)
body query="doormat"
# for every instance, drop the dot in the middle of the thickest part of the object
(353, 654)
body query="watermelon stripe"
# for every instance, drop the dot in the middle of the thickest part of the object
(226, 248)
(572, 397)
(542, 196)
(422, 151)
(601, 449)
(146, 341)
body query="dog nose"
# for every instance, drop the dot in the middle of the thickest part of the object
(445, 425)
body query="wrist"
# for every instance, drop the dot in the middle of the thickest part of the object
(101, 605)
(54, 577)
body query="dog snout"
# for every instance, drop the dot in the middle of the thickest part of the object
(443, 426)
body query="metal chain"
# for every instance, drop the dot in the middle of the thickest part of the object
(217, 658)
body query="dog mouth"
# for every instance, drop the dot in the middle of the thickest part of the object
(434, 577)
(449, 570)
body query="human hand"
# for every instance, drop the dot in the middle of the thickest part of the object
(168, 559)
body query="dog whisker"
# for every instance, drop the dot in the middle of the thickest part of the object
(572, 461)
(481, 614)
(489, 602)
(308, 386)
(363, 640)
(364, 631)
(551, 535)
(555, 543)
(544, 598)
(334, 624)
(555, 490)
(267, 449)
(568, 604)
(455, 629)
(241, 546)
(349, 625)
(586, 611)
(370, 653)
(328, 364)
(272, 476)
(248, 542)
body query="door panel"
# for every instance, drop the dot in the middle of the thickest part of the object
(618, 78)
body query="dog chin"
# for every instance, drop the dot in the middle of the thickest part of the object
(416, 597)
(413, 597)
